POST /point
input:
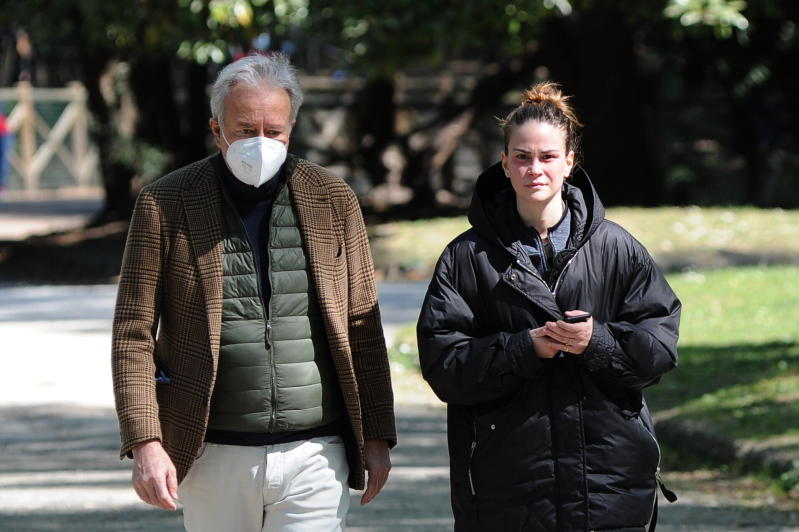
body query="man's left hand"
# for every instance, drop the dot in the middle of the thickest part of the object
(378, 464)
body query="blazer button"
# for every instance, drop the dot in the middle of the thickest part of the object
(493, 427)
(513, 276)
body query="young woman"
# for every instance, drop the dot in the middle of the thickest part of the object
(548, 429)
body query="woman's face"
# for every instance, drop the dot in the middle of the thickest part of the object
(537, 162)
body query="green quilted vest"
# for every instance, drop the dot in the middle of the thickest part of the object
(275, 371)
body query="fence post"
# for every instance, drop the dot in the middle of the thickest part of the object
(80, 134)
(27, 135)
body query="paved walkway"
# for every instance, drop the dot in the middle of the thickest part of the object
(20, 218)
(58, 444)
(59, 440)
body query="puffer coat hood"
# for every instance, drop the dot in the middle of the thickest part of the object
(489, 217)
(563, 444)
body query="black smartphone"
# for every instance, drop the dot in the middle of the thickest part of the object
(577, 318)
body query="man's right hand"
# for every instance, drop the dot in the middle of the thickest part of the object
(154, 477)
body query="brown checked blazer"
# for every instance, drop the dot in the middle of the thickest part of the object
(169, 310)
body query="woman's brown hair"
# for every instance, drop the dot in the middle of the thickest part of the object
(544, 102)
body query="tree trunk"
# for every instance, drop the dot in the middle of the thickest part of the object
(592, 55)
(429, 149)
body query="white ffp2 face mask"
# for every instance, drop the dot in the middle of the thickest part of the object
(255, 160)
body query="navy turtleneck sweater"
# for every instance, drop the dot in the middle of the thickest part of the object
(254, 207)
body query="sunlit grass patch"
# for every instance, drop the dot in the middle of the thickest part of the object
(676, 236)
(414, 245)
(742, 229)
(739, 306)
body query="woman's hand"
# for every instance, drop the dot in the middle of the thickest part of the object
(570, 337)
(545, 347)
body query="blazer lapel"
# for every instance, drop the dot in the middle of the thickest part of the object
(325, 248)
(316, 224)
(202, 203)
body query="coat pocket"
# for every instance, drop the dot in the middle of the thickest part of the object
(510, 451)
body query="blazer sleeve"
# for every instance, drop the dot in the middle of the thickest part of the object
(462, 365)
(367, 342)
(134, 328)
(638, 345)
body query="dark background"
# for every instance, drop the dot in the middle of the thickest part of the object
(690, 102)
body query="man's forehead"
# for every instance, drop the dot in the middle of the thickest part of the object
(263, 87)
(246, 102)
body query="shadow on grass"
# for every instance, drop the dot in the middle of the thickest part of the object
(722, 396)
(707, 369)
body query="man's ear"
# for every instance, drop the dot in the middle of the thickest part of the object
(213, 123)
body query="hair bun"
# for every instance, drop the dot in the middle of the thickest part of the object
(544, 102)
(546, 92)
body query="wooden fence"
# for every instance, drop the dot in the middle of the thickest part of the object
(39, 144)
(54, 151)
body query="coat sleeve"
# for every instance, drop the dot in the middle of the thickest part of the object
(134, 329)
(637, 346)
(368, 344)
(463, 366)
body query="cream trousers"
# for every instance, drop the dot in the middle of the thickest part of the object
(289, 487)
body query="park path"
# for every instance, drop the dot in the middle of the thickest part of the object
(21, 218)
(58, 435)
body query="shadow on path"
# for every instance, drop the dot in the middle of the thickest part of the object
(59, 471)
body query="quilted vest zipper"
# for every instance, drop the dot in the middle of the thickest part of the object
(266, 311)
(270, 313)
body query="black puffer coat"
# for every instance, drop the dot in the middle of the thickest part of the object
(564, 444)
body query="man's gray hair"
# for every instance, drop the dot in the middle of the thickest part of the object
(273, 70)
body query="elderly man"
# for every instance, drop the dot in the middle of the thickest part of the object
(250, 369)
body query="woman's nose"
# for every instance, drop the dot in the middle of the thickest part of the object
(534, 168)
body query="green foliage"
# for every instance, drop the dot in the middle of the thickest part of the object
(384, 37)
(199, 30)
(790, 479)
(722, 15)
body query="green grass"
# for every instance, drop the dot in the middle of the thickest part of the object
(674, 235)
(739, 354)
(672, 230)
(413, 246)
(734, 306)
